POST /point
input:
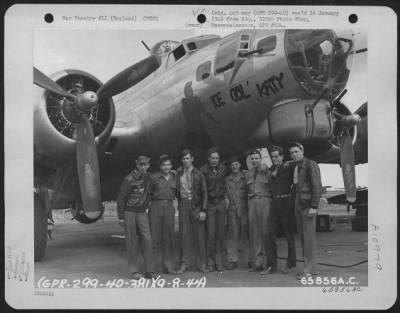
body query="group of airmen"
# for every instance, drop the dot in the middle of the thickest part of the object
(222, 210)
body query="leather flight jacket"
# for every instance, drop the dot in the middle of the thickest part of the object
(199, 188)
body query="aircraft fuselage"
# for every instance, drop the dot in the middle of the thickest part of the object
(173, 107)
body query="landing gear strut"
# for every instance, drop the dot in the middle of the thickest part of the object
(40, 228)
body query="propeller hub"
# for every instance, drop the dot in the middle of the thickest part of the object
(84, 103)
(87, 100)
(351, 120)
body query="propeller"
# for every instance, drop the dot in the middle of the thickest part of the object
(347, 162)
(129, 77)
(47, 83)
(362, 110)
(345, 122)
(88, 167)
(77, 110)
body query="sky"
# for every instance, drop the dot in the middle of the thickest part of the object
(104, 53)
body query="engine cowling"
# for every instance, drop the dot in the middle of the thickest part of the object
(54, 144)
(317, 128)
(296, 120)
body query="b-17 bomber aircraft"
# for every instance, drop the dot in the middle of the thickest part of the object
(252, 88)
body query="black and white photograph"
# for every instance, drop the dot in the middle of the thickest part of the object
(230, 157)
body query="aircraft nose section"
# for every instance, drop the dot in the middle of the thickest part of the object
(318, 60)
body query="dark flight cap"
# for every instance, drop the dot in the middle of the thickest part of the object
(163, 158)
(296, 144)
(255, 151)
(233, 160)
(142, 159)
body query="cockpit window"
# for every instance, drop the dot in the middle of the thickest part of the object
(267, 44)
(179, 52)
(175, 55)
(226, 55)
(244, 45)
(192, 46)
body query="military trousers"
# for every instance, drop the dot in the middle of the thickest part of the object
(308, 238)
(191, 233)
(237, 231)
(162, 222)
(259, 209)
(216, 216)
(137, 228)
(281, 214)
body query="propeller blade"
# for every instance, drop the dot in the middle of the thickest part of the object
(47, 83)
(362, 110)
(348, 167)
(88, 169)
(129, 76)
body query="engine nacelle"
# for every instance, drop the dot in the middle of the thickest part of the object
(296, 120)
(54, 144)
(317, 128)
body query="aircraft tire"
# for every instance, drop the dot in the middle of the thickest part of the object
(40, 228)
